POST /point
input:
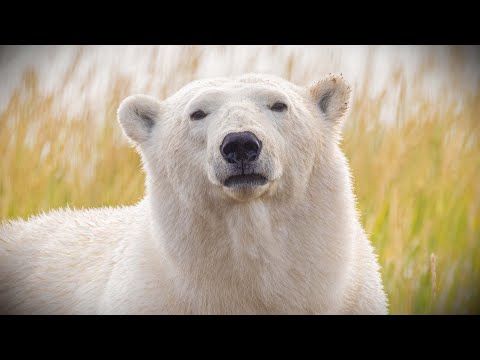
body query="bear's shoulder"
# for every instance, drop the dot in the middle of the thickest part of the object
(70, 227)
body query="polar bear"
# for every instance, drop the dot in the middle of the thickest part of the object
(249, 209)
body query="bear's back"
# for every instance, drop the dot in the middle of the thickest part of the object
(51, 261)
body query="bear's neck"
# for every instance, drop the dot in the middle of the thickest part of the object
(253, 252)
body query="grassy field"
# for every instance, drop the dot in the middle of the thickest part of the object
(416, 181)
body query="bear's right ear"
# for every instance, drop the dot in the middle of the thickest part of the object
(138, 115)
(332, 97)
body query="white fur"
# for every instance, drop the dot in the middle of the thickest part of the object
(193, 246)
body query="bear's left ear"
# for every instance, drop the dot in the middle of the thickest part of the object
(137, 115)
(332, 97)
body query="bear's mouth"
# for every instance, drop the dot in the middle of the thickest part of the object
(245, 181)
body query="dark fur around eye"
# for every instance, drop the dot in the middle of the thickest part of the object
(279, 107)
(198, 115)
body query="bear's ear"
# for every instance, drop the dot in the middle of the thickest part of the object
(332, 97)
(138, 115)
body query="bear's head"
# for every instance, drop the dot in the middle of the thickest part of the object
(255, 136)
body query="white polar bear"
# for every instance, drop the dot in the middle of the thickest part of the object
(249, 209)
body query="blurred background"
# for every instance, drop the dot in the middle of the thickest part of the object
(412, 141)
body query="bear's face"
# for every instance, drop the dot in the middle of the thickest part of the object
(237, 139)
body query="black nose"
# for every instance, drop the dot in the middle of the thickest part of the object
(241, 146)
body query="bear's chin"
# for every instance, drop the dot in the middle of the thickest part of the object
(246, 193)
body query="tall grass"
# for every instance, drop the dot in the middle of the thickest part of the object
(416, 180)
(418, 190)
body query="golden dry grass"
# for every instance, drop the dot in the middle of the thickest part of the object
(416, 183)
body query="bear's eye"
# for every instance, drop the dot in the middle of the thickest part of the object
(198, 115)
(279, 107)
